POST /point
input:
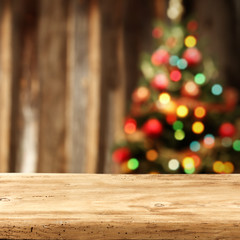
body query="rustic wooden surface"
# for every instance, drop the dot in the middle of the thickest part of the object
(85, 206)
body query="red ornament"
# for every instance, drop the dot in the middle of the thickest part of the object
(152, 128)
(227, 130)
(130, 126)
(157, 32)
(175, 75)
(121, 155)
(159, 57)
(160, 82)
(192, 56)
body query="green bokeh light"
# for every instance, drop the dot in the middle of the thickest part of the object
(133, 164)
(236, 145)
(178, 125)
(189, 171)
(182, 64)
(200, 78)
(217, 89)
(179, 135)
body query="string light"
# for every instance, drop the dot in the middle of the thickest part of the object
(189, 171)
(164, 98)
(199, 112)
(182, 111)
(236, 145)
(197, 127)
(195, 146)
(133, 164)
(130, 126)
(173, 164)
(151, 155)
(200, 78)
(175, 75)
(217, 89)
(179, 135)
(190, 41)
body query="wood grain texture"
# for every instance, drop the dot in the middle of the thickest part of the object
(85, 206)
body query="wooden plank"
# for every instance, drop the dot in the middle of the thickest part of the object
(5, 83)
(113, 81)
(25, 88)
(77, 60)
(85, 206)
(94, 81)
(53, 152)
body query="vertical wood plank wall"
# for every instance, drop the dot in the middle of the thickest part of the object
(67, 71)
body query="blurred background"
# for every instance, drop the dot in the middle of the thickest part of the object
(68, 69)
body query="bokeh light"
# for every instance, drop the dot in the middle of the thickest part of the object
(173, 164)
(228, 167)
(178, 125)
(175, 75)
(173, 60)
(217, 89)
(227, 142)
(190, 41)
(151, 155)
(197, 160)
(200, 78)
(164, 98)
(195, 146)
(199, 112)
(182, 111)
(188, 163)
(191, 89)
(197, 127)
(179, 135)
(209, 141)
(130, 126)
(182, 64)
(236, 145)
(218, 167)
(133, 164)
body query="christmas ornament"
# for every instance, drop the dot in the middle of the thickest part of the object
(160, 82)
(159, 57)
(130, 126)
(192, 56)
(227, 130)
(152, 128)
(121, 154)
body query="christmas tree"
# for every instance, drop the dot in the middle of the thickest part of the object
(182, 118)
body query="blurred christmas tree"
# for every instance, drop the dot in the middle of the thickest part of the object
(182, 119)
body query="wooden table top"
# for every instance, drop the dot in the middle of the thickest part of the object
(97, 207)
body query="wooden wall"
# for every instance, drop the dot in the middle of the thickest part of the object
(67, 70)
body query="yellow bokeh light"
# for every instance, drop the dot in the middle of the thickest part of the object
(164, 98)
(190, 41)
(182, 111)
(151, 155)
(199, 112)
(198, 127)
(218, 167)
(228, 167)
(188, 163)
